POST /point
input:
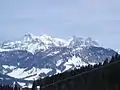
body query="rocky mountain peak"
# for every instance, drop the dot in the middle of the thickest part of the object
(28, 37)
(76, 42)
(90, 42)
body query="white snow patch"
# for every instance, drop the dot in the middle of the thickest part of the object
(2, 50)
(8, 67)
(18, 64)
(58, 71)
(45, 70)
(77, 49)
(67, 67)
(28, 85)
(17, 73)
(53, 53)
(21, 84)
(92, 63)
(76, 61)
(59, 62)
(34, 73)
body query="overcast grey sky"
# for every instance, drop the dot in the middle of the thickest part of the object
(99, 19)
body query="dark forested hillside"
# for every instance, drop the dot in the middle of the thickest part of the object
(102, 76)
(11, 87)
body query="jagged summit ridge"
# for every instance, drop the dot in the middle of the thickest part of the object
(81, 42)
(32, 43)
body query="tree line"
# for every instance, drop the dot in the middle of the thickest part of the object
(12, 87)
(102, 76)
(9, 87)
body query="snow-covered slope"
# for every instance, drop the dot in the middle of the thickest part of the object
(40, 56)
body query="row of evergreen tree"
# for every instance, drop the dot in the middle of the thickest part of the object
(73, 78)
(9, 87)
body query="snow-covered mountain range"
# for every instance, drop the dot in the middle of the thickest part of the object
(39, 56)
(32, 43)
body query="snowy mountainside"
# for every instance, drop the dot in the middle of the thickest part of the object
(41, 56)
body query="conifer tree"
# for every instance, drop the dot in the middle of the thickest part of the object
(34, 85)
